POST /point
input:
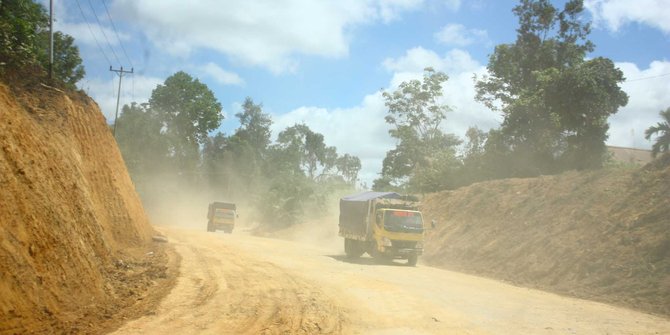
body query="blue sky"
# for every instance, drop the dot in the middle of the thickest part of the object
(325, 62)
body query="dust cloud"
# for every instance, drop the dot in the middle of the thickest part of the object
(171, 202)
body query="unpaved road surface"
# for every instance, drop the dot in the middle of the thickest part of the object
(239, 284)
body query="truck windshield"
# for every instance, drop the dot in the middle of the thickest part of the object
(224, 214)
(403, 221)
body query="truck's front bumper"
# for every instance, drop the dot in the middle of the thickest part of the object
(407, 252)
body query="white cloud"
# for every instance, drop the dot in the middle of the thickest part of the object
(220, 75)
(458, 35)
(416, 59)
(616, 13)
(389, 10)
(134, 88)
(362, 131)
(268, 34)
(359, 130)
(453, 5)
(82, 34)
(649, 93)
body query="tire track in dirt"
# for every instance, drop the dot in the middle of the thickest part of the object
(220, 291)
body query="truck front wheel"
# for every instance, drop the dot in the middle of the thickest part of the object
(210, 226)
(353, 248)
(411, 260)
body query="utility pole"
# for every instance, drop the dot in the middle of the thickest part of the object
(120, 72)
(51, 38)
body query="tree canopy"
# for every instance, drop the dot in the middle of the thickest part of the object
(554, 101)
(424, 151)
(662, 133)
(169, 141)
(187, 111)
(24, 43)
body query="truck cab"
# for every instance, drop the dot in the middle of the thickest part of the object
(221, 216)
(386, 225)
(398, 233)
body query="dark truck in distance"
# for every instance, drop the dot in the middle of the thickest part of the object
(221, 216)
(386, 225)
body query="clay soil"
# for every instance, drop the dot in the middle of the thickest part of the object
(601, 235)
(76, 253)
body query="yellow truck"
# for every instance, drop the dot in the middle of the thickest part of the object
(221, 216)
(386, 225)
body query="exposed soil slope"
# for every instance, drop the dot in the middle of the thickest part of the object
(73, 235)
(602, 235)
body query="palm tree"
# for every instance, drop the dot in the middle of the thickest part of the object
(662, 129)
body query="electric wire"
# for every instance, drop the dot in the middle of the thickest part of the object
(117, 34)
(645, 78)
(92, 34)
(103, 32)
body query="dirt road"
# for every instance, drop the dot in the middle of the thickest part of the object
(239, 284)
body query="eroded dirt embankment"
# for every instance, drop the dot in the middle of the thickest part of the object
(601, 235)
(75, 244)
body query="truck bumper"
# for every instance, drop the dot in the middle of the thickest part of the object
(401, 252)
(405, 252)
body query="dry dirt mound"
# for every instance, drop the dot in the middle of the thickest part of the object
(74, 239)
(602, 235)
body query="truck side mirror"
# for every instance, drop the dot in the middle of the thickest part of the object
(433, 223)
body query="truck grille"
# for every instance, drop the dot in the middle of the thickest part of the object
(403, 244)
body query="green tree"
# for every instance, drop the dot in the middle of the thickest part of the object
(239, 160)
(24, 43)
(254, 126)
(67, 66)
(21, 21)
(473, 156)
(188, 111)
(662, 132)
(555, 103)
(216, 163)
(416, 114)
(348, 167)
(304, 149)
(143, 146)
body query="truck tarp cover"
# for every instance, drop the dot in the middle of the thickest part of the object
(354, 210)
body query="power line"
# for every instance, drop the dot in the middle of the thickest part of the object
(103, 32)
(117, 34)
(645, 78)
(92, 34)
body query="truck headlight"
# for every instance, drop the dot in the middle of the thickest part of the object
(386, 242)
(419, 245)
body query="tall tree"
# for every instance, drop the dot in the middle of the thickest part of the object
(416, 113)
(143, 146)
(67, 66)
(555, 103)
(188, 111)
(246, 150)
(303, 148)
(348, 166)
(254, 126)
(216, 163)
(662, 132)
(21, 21)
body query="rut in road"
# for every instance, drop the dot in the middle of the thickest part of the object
(219, 291)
